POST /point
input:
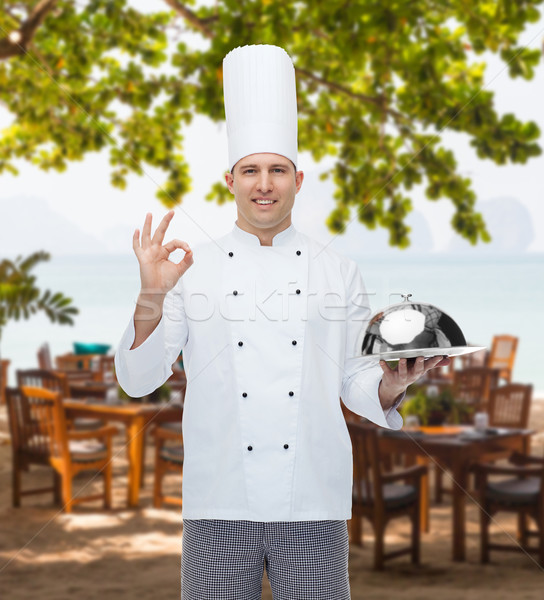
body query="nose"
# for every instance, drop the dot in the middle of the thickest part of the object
(264, 183)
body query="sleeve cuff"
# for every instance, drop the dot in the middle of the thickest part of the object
(141, 370)
(361, 396)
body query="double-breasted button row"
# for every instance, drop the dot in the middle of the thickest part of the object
(240, 343)
(244, 394)
(286, 447)
(231, 254)
(235, 292)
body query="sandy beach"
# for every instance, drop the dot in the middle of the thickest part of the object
(96, 554)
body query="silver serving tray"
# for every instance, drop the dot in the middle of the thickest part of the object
(425, 352)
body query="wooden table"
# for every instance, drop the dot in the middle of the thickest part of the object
(458, 452)
(90, 389)
(136, 417)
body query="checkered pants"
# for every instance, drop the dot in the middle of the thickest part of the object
(304, 560)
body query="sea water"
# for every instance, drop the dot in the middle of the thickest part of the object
(486, 296)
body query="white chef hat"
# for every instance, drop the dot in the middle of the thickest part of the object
(260, 102)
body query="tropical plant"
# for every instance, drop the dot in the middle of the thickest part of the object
(378, 84)
(434, 407)
(21, 298)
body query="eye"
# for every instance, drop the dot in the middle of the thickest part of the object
(279, 170)
(248, 171)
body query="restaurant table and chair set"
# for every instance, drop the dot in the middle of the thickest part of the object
(66, 419)
(61, 418)
(477, 450)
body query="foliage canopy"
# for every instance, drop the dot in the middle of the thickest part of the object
(378, 82)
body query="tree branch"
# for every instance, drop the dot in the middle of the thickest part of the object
(190, 17)
(27, 30)
(376, 101)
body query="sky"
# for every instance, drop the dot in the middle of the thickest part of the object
(78, 211)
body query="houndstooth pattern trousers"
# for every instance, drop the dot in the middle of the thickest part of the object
(304, 560)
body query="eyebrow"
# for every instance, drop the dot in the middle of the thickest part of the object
(282, 165)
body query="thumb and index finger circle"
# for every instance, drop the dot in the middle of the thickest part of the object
(187, 260)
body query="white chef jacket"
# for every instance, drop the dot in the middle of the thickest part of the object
(268, 335)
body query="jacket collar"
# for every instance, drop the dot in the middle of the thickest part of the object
(283, 238)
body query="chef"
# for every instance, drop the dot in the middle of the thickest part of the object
(268, 322)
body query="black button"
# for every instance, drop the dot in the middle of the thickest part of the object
(250, 448)
(299, 252)
(291, 393)
(235, 293)
(294, 342)
(298, 291)
(240, 343)
(286, 446)
(231, 254)
(244, 395)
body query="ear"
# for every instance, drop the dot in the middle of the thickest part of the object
(229, 178)
(299, 178)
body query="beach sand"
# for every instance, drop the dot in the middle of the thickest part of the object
(106, 555)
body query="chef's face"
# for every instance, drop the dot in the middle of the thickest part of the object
(264, 187)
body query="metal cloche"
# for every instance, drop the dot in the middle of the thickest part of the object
(410, 329)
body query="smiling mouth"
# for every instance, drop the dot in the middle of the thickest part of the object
(263, 201)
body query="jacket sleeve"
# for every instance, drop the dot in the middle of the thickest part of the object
(362, 376)
(145, 368)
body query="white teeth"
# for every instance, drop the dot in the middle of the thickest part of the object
(264, 201)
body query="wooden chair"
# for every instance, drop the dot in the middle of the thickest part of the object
(522, 492)
(509, 405)
(168, 457)
(56, 382)
(503, 355)
(472, 386)
(41, 428)
(44, 378)
(27, 448)
(4, 364)
(379, 498)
